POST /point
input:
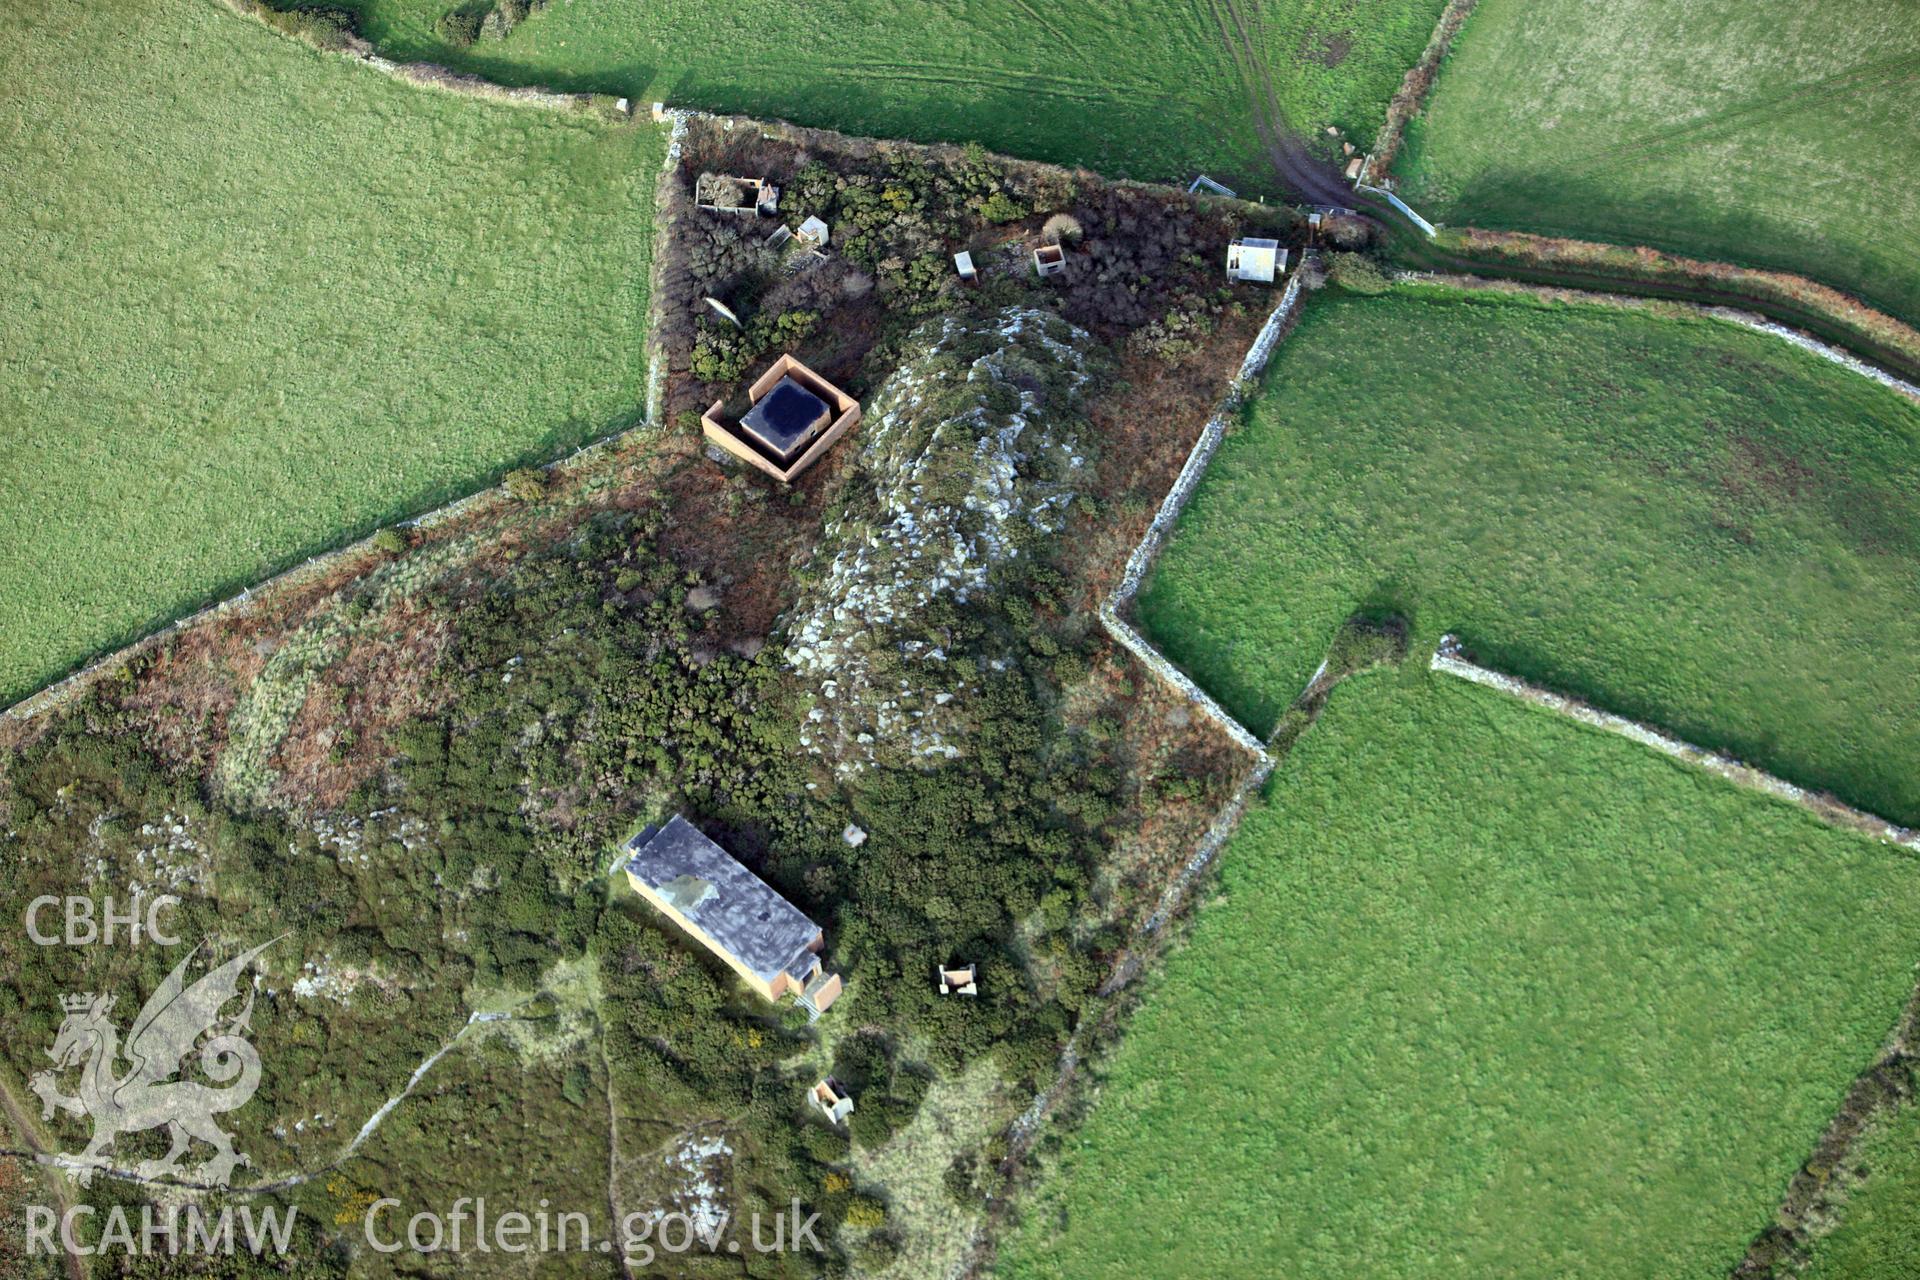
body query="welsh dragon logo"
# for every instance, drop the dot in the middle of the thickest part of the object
(147, 1095)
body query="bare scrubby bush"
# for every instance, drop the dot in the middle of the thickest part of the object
(1062, 228)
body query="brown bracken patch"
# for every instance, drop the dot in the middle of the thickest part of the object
(1328, 51)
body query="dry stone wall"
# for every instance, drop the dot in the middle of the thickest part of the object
(1452, 660)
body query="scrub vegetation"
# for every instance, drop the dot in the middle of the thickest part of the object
(1485, 993)
(1136, 88)
(1773, 136)
(1679, 520)
(260, 300)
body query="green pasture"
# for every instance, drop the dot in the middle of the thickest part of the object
(1157, 89)
(1681, 520)
(1772, 135)
(1484, 994)
(260, 300)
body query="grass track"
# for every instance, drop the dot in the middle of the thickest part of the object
(1686, 522)
(1135, 88)
(1487, 995)
(1775, 136)
(260, 300)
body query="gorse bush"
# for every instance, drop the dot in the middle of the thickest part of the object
(458, 26)
(528, 484)
(723, 353)
(1357, 274)
(322, 26)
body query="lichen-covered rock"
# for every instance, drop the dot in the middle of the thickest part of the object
(969, 452)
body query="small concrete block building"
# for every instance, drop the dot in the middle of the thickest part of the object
(831, 1100)
(794, 417)
(1050, 260)
(959, 980)
(725, 193)
(963, 263)
(732, 912)
(1255, 260)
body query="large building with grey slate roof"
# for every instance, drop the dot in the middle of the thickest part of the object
(764, 938)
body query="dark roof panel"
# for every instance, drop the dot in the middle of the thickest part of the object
(786, 417)
(724, 900)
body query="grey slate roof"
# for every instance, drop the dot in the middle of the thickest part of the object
(727, 902)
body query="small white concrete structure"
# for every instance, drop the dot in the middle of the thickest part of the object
(1050, 260)
(814, 232)
(830, 1100)
(1255, 260)
(963, 263)
(959, 981)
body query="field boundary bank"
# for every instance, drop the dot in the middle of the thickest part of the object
(1730, 315)
(1410, 99)
(1814, 1200)
(1026, 1127)
(1147, 550)
(1794, 301)
(1452, 659)
(432, 75)
(318, 565)
(1814, 1205)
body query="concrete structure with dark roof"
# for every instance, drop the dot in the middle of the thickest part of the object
(793, 417)
(732, 912)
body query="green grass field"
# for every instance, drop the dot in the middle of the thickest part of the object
(1683, 521)
(1488, 995)
(1136, 88)
(1879, 1233)
(259, 300)
(1771, 135)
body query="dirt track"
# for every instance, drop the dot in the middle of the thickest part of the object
(1313, 180)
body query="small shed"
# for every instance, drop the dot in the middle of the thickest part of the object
(963, 263)
(831, 1100)
(814, 232)
(958, 980)
(1050, 260)
(1354, 166)
(1256, 260)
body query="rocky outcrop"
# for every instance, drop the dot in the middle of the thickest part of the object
(970, 451)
